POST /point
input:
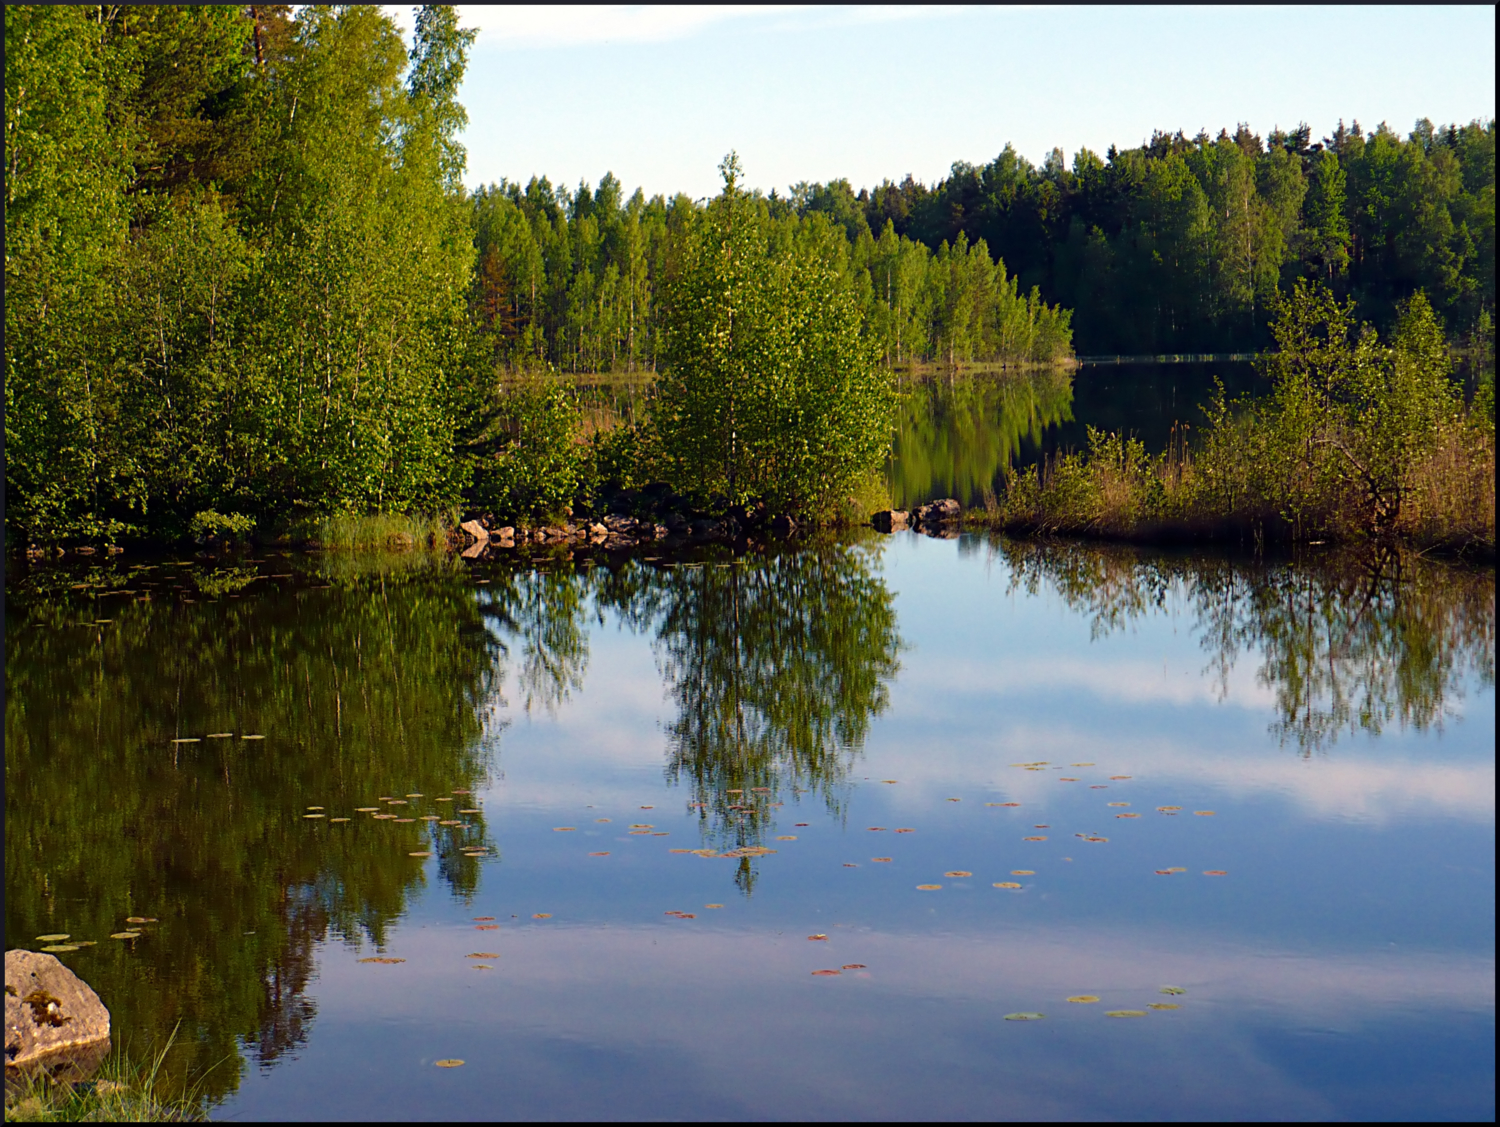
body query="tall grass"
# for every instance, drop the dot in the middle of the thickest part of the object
(351, 531)
(122, 1091)
(1357, 440)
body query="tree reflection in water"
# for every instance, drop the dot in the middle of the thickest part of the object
(776, 664)
(1350, 641)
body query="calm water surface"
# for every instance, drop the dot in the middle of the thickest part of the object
(586, 746)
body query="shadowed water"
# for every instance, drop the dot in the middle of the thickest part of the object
(758, 731)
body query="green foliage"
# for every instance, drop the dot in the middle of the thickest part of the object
(1358, 438)
(538, 469)
(767, 389)
(209, 524)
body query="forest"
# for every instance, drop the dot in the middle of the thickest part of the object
(246, 285)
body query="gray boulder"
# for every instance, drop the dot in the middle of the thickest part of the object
(889, 520)
(476, 530)
(53, 1021)
(946, 511)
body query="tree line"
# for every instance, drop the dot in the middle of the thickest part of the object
(1182, 244)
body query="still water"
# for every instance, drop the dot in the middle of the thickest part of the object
(606, 819)
(958, 435)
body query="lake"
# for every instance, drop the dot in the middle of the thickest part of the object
(1084, 832)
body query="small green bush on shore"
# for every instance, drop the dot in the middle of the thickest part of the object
(1357, 439)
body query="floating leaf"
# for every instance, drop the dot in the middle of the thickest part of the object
(483, 955)
(381, 959)
(442, 798)
(1063, 780)
(1216, 872)
(929, 887)
(853, 966)
(1176, 869)
(419, 854)
(713, 905)
(451, 1063)
(317, 807)
(1083, 998)
(252, 737)
(469, 812)
(1008, 884)
(486, 927)
(906, 830)
(1163, 1006)
(563, 829)
(958, 873)
(879, 858)
(188, 740)
(414, 796)
(786, 837)
(403, 821)
(1165, 809)
(1098, 786)
(542, 916)
(795, 824)
(140, 919)
(1119, 776)
(1024, 1017)
(125, 935)
(819, 936)
(887, 780)
(825, 973)
(314, 815)
(454, 822)
(1023, 872)
(482, 966)
(56, 937)
(1043, 838)
(850, 865)
(1117, 804)
(1124, 1013)
(483, 919)
(641, 826)
(367, 810)
(455, 790)
(430, 817)
(955, 800)
(1173, 990)
(396, 802)
(59, 948)
(1096, 838)
(1162, 872)
(601, 819)
(648, 808)
(338, 819)
(1204, 813)
(875, 829)
(1127, 815)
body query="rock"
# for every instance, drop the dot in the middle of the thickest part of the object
(598, 531)
(783, 525)
(475, 550)
(476, 530)
(946, 511)
(53, 1021)
(675, 521)
(705, 527)
(889, 520)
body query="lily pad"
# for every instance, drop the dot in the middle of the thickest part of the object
(315, 815)
(252, 736)
(542, 916)
(1024, 1017)
(382, 960)
(1163, 1006)
(1216, 872)
(1204, 813)
(786, 837)
(1117, 804)
(1173, 990)
(1124, 1013)
(1023, 872)
(125, 935)
(958, 873)
(1008, 884)
(1084, 998)
(563, 829)
(929, 887)
(1041, 838)
(605, 853)
(419, 854)
(59, 948)
(56, 937)
(338, 819)
(483, 955)
(819, 936)
(825, 973)
(881, 859)
(188, 740)
(449, 1063)
(217, 735)
(140, 919)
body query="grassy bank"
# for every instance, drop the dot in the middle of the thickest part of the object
(351, 531)
(1359, 439)
(124, 1090)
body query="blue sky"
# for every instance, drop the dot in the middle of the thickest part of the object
(658, 94)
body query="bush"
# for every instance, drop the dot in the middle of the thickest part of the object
(541, 462)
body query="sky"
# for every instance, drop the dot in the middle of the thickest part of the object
(658, 94)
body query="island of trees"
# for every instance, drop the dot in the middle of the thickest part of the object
(245, 287)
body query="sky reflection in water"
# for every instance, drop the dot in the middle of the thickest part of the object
(1343, 968)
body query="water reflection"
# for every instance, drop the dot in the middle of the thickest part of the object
(776, 665)
(958, 434)
(1355, 641)
(377, 685)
